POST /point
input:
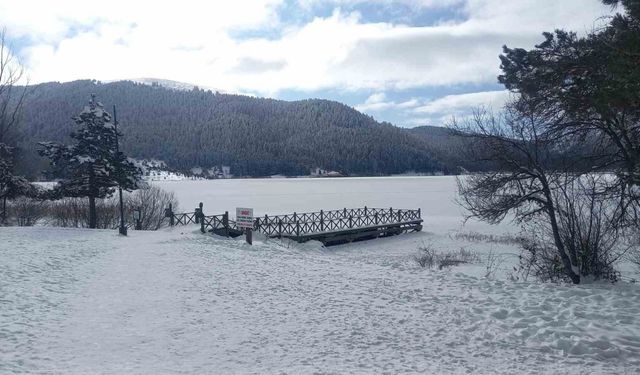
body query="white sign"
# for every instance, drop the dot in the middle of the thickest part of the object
(244, 217)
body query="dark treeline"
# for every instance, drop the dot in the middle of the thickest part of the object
(255, 136)
(448, 147)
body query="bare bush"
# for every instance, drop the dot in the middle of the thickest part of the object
(68, 212)
(587, 228)
(633, 255)
(428, 257)
(74, 213)
(26, 212)
(504, 239)
(540, 261)
(455, 258)
(492, 263)
(151, 201)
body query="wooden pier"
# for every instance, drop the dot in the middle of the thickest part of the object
(330, 227)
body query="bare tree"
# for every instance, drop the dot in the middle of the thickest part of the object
(11, 102)
(539, 182)
(11, 94)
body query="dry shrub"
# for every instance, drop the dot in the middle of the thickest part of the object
(429, 257)
(151, 201)
(492, 263)
(26, 212)
(634, 254)
(505, 239)
(74, 213)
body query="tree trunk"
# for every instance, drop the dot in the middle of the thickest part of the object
(566, 260)
(92, 213)
(92, 199)
(4, 209)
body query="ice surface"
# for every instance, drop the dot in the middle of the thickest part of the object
(434, 195)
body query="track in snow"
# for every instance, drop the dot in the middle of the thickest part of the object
(80, 301)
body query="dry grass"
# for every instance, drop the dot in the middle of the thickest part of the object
(476, 237)
(429, 257)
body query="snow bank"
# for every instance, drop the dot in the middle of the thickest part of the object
(175, 301)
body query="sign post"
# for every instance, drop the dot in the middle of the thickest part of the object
(244, 220)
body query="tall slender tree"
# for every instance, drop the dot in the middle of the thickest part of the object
(11, 102)
(91, 167)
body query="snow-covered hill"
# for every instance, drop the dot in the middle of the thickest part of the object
(174, 85)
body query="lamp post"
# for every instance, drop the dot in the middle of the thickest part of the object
(123, 228)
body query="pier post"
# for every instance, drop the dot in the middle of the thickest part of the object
(267, 225)
(169, 213)
(198, 214)
(225, 223)
(321, 221)
(280, 228)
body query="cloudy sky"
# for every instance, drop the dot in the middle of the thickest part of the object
(410, 62)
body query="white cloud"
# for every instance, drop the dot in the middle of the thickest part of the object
(192, 41)
(418, 4)
(441, 111)
(454, 104)
(378, 102)
(437, 111)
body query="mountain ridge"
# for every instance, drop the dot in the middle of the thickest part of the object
(255, 136)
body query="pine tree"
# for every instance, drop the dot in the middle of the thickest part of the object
(11, 186)
(92, 167)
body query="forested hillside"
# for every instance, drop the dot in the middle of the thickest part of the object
(255, 136)
(449, 149)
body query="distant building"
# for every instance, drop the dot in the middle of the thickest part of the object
(333, 174)
(319, 172)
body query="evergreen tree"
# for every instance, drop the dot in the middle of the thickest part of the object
(92, 167)
(591, 85)
(11, 186)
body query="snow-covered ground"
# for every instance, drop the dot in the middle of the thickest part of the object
(177, 301)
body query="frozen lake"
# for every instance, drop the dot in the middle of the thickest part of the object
(434, 195)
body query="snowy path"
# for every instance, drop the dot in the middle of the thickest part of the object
(78, 302)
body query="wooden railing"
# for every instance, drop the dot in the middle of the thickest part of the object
(185, 218)
(298, 224)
